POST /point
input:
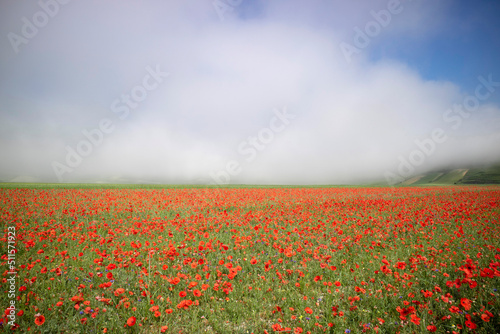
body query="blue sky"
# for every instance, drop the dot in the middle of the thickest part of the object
(256, 92)
(467, 46)
(463, 45)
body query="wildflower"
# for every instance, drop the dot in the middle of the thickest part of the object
(131, 321)
(39, 320)
(415, 319)
(111, 266)
(401, 265)
(465, 303)
(426, 293)
(470, 324)
(119, 291)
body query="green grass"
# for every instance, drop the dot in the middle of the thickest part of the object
(81, 232)
(483, 175)
(489, 175)
(429, 178)
(28, 185)
(448, 177)
(477, 176)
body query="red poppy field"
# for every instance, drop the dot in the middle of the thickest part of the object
(292, 260)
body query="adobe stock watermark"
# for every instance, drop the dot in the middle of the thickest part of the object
(362, 37)
(224, 6)
(453, 117)
(12, 272)
(30, 27)
(121, 107)
(249, 148)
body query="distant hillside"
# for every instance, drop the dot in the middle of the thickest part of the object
(477, 175)
(490, 175)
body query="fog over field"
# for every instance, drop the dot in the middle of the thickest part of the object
(263, 92)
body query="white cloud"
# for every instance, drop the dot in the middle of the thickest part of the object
(352, 120)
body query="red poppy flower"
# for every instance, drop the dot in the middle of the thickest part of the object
(470, 324)
(401, 265)
(426, 293)
(487, 272)
(119, 291)
(111, 266)
(466, 303)
(39, 320)
(131, 321)
(415, 319)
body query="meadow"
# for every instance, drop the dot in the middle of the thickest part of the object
(251, 260)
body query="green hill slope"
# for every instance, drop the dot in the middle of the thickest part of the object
(490, 175)
(477, 175)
